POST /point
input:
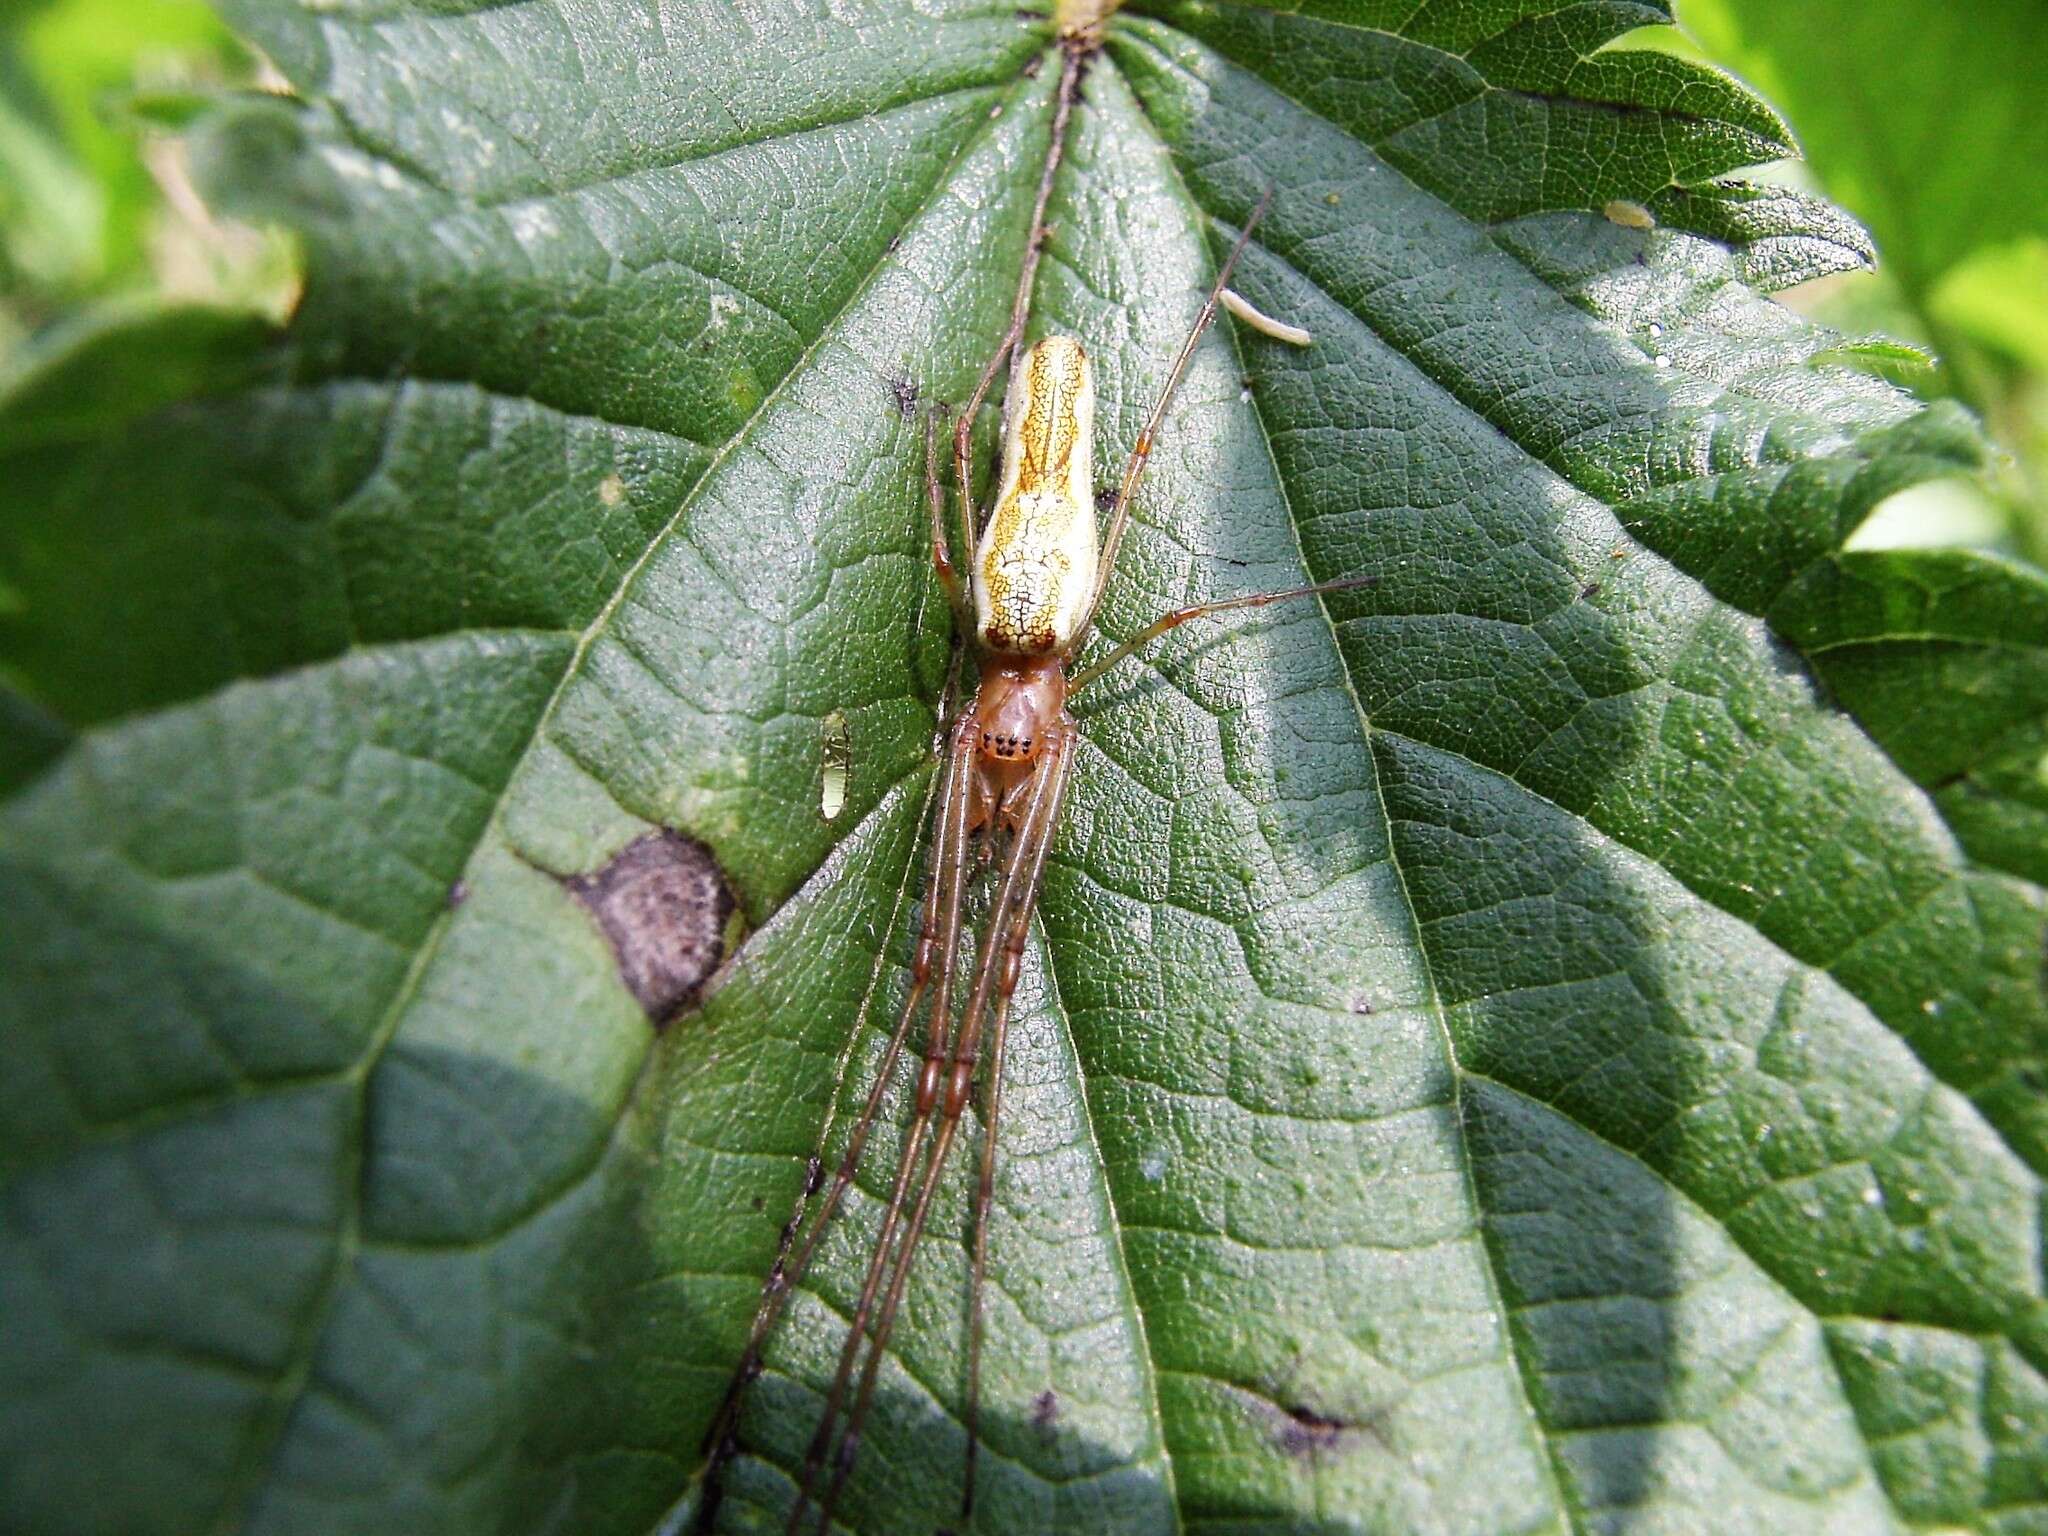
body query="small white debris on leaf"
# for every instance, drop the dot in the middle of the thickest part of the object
(1264, 324)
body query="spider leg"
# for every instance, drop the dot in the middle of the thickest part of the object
(1180, 616)
(948, 1081)
(1020, 306)
(1008, 967)
(937, 950)
(935, 496)
(1141, 451)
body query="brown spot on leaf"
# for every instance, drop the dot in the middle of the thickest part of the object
(664, 905)
(905, 391)
(1304, 1432)
(1308, 1434)
(1045, 1411)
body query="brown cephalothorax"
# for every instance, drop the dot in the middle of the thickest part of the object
(1016, 705)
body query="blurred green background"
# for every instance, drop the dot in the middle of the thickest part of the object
(1921, 117)
(96, 203)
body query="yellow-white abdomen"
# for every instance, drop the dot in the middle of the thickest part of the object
(1035, 570)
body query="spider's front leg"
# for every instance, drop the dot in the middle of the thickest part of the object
(935, 496)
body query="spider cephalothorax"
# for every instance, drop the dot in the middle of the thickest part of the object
(1019, 700)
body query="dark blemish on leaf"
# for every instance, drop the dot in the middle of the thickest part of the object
(1589, 591)
(1045, 1411)
(758, 1202)
(458, 893)
(664, 905)
(1032, 66)
(895, 244)
(1363, 1005)
(1105, 501)
(905, 391)
(814, 1176)
(1026, 13)
(1304, 1432)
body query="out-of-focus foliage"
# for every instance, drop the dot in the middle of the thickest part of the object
(1923, 118)
(94, 200)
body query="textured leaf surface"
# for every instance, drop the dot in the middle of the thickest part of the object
(1550, 1042)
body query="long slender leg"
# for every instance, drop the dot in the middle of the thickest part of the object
(1141, 451)
(1020, 307)
(879, 1266)
(780, 1282)
(935, 496)
(937, 938)
(1180, 616)
(999, 1035)
(939, 941)
(949, 1076)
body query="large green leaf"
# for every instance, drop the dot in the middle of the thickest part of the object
(1507, 1049)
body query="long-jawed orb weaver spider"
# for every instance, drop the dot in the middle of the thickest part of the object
(1026, 605)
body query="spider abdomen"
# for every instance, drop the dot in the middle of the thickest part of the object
(1034, 574)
